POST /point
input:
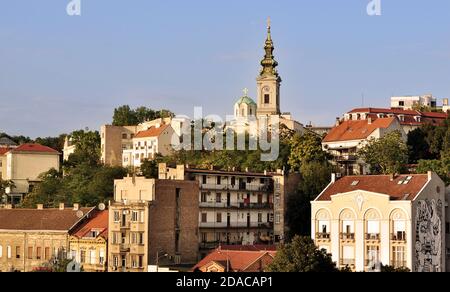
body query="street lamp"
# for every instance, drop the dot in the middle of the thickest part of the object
(158, 257)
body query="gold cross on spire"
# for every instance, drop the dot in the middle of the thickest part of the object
(268, 22)
(245, 91)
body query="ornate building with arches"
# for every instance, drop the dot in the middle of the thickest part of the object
(368, 221)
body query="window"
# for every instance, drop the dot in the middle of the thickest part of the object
(401, 103)
(277, 218)
(219, 180)
(372, 255)
(249, 180)
(218, 198)
(348, 255)
(116, 216)
(259, 217)
(38, 253)
(1, 251)
(266, 98)
(17, 252)
(204, 179)
(447, 228)
(124, 261)
(8, 251)
(204, 197)
(347, 227)
(123, 238)
(134, 216)
(140, 261)
(101, 259)
(204, 217)
(115, 261)
(124, 136)
(233, 181)
(142, 217)
(140, 238)
(398, 256)
(219, 217)
(324, 227)
(82, 257)
(92, 256)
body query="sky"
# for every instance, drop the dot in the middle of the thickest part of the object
(60, 73)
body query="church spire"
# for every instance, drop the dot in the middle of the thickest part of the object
(268, 63)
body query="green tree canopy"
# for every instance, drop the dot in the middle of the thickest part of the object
(306, 148)
(87, 148)
(302, 255)
(126, 116)
(386, 155)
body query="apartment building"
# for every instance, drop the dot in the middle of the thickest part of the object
(115, 140)
(238, 208)
(409, 119)
(152, 222)
(409, 102)
(366, 221)
(23, 165)
(69, 148)
(147, 144)
(34, 238)
(88, 243)
(348, 137)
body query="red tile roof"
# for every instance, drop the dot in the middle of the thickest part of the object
(409, 115)
(4, 150)
(357, 130)
(152, 132)
(378, 184)
(97, 222)
(34, 219)
(34, 148)
(238, 260)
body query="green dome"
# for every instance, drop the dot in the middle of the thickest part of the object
(246, 100)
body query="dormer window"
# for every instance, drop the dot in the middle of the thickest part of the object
(418, 119)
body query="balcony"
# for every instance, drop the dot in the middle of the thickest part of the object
(348, 236)
(399, 264)
(237, 225)
(344, 158)
(399, 236)
(373, 236)
(124, 247)
(326, 236)
(252, 206)
(347, 262)
(125, 225)
(238, 187)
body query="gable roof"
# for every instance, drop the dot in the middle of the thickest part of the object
(382, 184)
(46, 219)
(97, 222)
(5, 141)
(357, 130)
(30, 147)
(238, 260)
(152, 132)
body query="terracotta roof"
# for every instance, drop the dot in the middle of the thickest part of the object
(34, 148)
(4, 150)
(34, 219)
(152, 132)
(238, 260)
(384, 111)
(409, 115)
(357, 130)
(97, 222)
(381, 184)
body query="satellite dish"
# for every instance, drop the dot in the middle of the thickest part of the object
(101, 207)
(80, 214)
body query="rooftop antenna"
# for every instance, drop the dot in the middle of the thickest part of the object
(362, 99)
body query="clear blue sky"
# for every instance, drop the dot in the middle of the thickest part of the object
(61, 73)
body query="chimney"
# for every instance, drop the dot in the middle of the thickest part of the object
(392, 176)
(76, 207)
(369, 120)
(338, 122)
(430, 175)
(40, 206)
(445, 102)
(61, 206)
(333, 178)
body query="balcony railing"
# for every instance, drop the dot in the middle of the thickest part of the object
(238, 187)
(236, 205)
(323, 236)
(343, 158)
(399, 264)
(372, 236)
(399, 236)
(239, 225)
(347, 262)
(347, 236)
(124, 248)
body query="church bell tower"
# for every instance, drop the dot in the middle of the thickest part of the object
(268, 81)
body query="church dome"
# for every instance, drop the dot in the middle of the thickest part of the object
(247, 100)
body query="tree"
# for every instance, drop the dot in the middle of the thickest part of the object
(87, 148)
(126, 116)
(315, 176)
(441, 167)
(149, 169)
(306, 148)
(391, 269)
(302, 255)
(49, 192)
(56, 143)
(386, 155)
